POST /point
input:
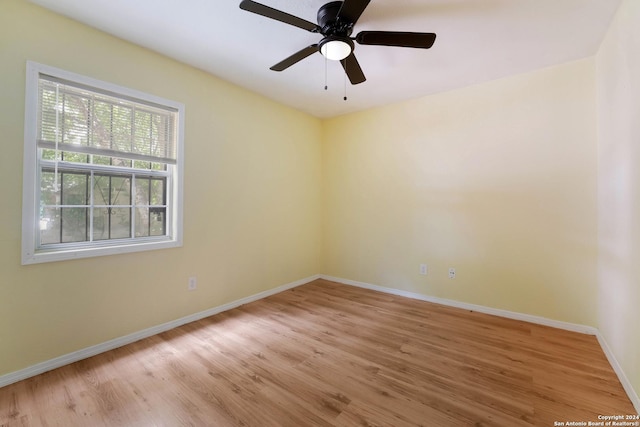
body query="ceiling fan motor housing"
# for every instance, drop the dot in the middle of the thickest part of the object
(329, 23)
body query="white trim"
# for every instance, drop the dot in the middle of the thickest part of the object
(626, 384)
(30, 203)
(75, 356)
(583, 329)
(588, 330)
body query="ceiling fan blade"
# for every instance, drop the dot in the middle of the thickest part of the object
(396, 38)
(278, 15)
(296, 57)
(353, 70)
(352, 9)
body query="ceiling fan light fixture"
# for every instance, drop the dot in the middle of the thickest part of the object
(336, 48)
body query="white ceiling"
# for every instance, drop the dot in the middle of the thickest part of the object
(477, 41)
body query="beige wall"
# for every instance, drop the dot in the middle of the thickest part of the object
(251, 212)
(497, 180)
(618, 65)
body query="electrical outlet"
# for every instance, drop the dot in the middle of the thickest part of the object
(423, 269)
(193, 284)
(452, 273)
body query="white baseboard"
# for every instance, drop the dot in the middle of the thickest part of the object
(85, 353)
(589, 330)
(626, 384)
(583, 329)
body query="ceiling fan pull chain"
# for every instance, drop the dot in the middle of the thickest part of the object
(345, 81)
(325, 73)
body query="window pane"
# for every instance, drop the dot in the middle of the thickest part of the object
(49, 154)
(142, 191)
(123, 163)
(142, 222)
(100, 223)
(157, 192)
(74, 224)
(50, 226)
(101, 190)
(157, 221)
(120, 223)
(69, 156)
(48, 194)
(141, 165)
(74, 189)
(101, 160)
(120, 190)
(111, 223)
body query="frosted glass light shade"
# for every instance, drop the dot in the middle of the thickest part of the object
(336, 50)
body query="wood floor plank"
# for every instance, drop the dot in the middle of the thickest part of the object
(326, 354)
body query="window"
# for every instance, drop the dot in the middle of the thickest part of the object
(102, 168)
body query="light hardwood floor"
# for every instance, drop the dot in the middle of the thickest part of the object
(326, 354)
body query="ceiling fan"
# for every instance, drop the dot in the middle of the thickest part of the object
(336, 20)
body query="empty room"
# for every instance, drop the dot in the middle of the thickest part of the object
(284, 213)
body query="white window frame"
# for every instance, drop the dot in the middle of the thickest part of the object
(31, 253)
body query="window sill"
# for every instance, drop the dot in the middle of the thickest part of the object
(43, 256)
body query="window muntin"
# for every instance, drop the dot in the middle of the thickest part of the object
(92, 206)
(105, 168)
